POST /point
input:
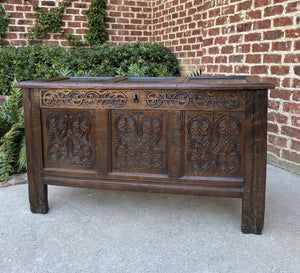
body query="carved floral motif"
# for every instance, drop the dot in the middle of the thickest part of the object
(213, 143)
(138, 140)
(94, 99)
(69, 140)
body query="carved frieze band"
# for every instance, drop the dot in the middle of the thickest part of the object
(214, 142)
(77, 98)
(186, 99)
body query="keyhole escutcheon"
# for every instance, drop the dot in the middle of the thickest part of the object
(135, 97)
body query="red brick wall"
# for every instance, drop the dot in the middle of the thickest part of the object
(128, 20)
(227, 37)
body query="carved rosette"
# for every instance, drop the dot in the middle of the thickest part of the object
(213, 143)
(188, 99)
(93, 99)
(137, 141)
(69, 139)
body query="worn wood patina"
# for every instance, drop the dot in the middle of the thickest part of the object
(202, 136)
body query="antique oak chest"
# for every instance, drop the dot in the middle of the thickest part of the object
(202, 136)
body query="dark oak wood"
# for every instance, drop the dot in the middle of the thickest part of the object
(204, 136)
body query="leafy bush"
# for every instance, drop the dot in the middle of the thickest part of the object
(47, 61)
(12, 139)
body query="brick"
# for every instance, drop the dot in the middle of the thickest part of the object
(272, 127)
(244, 27)
(235, 39)
(244, 5)
(291, 155)
(221, 59)
(236, 58)
(254, 14)
(243, 48)
(273, 34)
(297, 45)
(296, 121)
(214, 31)
(212, 68)
(292, 58)
(261, 3)
(16, 29)
(283, 21)
(286, 82)
(280, 94)
(274, 150)
(261, 47)
(272, 104)
(20, 2)
(274, 80)
(292, 33)
(48, 3)
(295, 145)
(273, 10)
(235, 18)
(282, 46)
(227, 50)
(292, 7)
(241, 69)
(265, 24)
(213, 50)
(23, 8)
(289, 131)
(72, 11)
(272, 58)
(278, 141)
(259, 69)
(291, 107)
(208, 42)
(255, 58)
(221, 20)
(74, 24)
(207, 59)
(280, 70)
(296, 83)
(296, 95)
(220, 40)
(253, 37)
(225, 69)
(228, 10)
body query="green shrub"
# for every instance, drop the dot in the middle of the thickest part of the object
(47, 61)
(12, 139)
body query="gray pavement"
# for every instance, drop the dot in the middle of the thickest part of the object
(112, 231)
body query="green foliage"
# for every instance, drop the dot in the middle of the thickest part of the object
(48, 61)
(12, 139)
(4, 21)
(51, 22)
(196, 73)
(96, 18)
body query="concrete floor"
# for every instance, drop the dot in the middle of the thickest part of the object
(111, 231)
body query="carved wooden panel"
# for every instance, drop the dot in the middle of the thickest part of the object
(68, 139)
(194, 100)
(214, 144)
(83, 98)
(138, 140)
